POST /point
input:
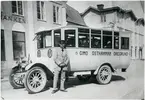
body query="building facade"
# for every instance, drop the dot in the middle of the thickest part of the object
(115, 18)
(20, 20)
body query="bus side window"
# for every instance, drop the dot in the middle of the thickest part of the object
(40, 41)
(124, 43)
(57, 37)
(44, 39)
(116, 40)
(107, 39)
(83, 37)
(95, 39)
(47, 37)
(70, 38)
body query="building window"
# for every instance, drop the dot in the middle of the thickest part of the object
(131, 50)
(124, 43)
(135, 51)
(116, 40)
(2, 46)
(70, 38)
(140, 52)
(83, 37)
(41, 10)
(107, 39)
(56, 14)
(95, 39)
(19, 49)
(17, 7)
(57, 37)
(103, 18)
(44, 40)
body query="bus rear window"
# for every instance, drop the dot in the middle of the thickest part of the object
(116, 40)
(70, 38)
(124, 43)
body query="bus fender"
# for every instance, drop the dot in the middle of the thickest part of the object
(29, 66)
(96, 71)
(48, 72)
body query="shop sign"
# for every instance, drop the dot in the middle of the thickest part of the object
(13, 18)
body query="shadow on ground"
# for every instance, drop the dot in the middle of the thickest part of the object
(73, 82)
(117, 78)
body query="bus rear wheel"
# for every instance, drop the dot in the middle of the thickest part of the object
(104, 75)
(35, 80)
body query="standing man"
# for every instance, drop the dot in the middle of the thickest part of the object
(61, 60)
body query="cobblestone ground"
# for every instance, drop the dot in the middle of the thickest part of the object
(128, 85)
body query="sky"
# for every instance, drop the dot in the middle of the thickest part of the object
(135, 6)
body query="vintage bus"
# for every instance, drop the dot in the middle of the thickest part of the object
(92, 52)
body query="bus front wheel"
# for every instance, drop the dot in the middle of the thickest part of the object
(104, 75)
(15, 78)
(35, 80)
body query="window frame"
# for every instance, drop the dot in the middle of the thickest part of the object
(71, 29)
(17, 12)
(40, 9)
(87, 33)
(107, 35)
(3, 39)
(42, 35)
(114, 40)
(45, 39)
(96, 35)
(18, 32)
(54, 36)
(57, 13)
(103, 18)
(128, 43)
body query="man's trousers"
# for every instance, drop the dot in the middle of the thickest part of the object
(58, 71)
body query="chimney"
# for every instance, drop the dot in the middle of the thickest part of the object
(100, 6)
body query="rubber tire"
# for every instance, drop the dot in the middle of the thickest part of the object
(98, 74)
(84, 79)
(11, 80)
(27, 76)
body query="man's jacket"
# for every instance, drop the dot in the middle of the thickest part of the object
(61, 57)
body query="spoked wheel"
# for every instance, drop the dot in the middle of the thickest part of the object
(35, 80)
(104, 75)
(16, 79)
(83, 78)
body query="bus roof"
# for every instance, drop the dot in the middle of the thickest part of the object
(76, 26)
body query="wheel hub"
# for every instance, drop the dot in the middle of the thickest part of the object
(36, 79)
(104, 73)
(18, 78)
